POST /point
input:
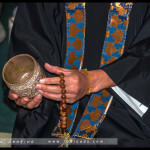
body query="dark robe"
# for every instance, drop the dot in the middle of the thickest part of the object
(40, 30)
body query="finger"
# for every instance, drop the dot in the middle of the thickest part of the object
(56, 97)
(49, 88)
(56, 80)
(52, 80)
(12, 95)
(31, 104)
(52, 96)
(53, 88)
(18, 102)
(24, 100)
(56, 69)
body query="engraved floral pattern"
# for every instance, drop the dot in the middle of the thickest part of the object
(28, 89)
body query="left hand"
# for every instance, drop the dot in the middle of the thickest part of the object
(25, 101)
(77, 84)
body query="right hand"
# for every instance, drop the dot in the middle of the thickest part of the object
(25, 101)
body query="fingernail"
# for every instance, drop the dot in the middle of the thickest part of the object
(15, 97)
(26, 100)
(42, 81)
(40, 92)
(39, 96)
(38, 86)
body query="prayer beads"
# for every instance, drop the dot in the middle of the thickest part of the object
(63, 106)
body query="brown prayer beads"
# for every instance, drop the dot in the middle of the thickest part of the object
(63, 106)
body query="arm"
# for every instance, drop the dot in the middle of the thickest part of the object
(131, 72)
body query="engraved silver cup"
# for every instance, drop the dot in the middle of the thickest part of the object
(21, 73)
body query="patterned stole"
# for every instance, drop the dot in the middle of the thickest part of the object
(97, 107)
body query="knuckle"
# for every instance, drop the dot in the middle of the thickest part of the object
(43, 87)
(46, 81)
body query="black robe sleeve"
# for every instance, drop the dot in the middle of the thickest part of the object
(38, 31)
(131, 72)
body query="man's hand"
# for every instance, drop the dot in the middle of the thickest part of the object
(77, 86)
(77, 83)
(25, 101)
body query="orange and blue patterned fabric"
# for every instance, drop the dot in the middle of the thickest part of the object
(117, 25)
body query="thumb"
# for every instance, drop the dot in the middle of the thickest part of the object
(55, 69)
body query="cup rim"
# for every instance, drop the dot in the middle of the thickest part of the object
(9, 61)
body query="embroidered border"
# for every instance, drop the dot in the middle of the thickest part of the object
(117, 25)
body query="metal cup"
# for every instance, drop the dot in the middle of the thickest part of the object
(21, 73)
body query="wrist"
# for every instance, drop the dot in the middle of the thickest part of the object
(89, 89)
(100, 80)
